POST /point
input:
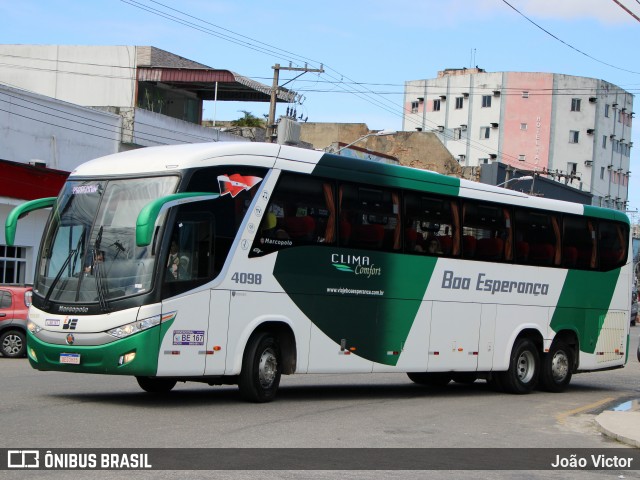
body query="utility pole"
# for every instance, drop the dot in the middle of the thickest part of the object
(271, 121)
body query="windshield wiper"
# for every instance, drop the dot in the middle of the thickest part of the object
(98, 265)
(55, 281)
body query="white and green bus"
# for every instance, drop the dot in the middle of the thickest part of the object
(229, 263)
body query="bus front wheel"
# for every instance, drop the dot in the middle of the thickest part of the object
(524, 366)
(156, 385)
(557, 367)
(261, 369)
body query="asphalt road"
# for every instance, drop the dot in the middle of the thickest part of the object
(58, 410)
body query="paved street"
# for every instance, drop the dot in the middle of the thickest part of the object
(58, 410)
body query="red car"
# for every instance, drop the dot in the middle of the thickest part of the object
(14, 306)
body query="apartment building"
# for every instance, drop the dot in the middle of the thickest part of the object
(574, 130)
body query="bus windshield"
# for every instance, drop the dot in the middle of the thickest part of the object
(89, 252)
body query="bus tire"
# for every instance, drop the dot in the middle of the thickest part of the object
(432, 379)
(261, 369)
(156, 385)
(556, 367)
(13, 344)
(524, 368)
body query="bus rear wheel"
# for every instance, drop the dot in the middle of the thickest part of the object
(524, 366)
(261, 369)
(432, 379)
(556, 367)
(156, 385)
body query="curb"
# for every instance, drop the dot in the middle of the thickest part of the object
(621, 426)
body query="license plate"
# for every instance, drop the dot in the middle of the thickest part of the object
(188, 337)
(70, 358)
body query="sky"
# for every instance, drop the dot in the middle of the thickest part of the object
(368, 48)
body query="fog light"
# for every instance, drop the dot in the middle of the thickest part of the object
(32, 354)
(127, 358)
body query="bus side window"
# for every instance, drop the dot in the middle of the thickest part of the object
(612, 250)
(577, 244)
(431, 226)
(301, 212)
(486, 232)
(369, 218)
(537, 238)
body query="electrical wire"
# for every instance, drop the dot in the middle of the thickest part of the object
(567, 44)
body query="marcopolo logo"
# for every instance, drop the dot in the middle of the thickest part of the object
(356, 264)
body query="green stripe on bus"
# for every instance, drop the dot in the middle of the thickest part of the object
(606, 213)
(584, 303)
(370, 307)
(381, 174)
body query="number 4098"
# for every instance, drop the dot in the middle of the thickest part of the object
(248, 278)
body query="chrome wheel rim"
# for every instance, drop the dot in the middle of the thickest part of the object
(267, 368)
(525, 367)
(559, 366)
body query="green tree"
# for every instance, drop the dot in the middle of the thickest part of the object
(248, 120)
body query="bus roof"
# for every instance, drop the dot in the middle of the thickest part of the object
(165, 159)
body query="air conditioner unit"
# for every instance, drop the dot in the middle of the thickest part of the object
(441, 128)
(494, 125)
(463, 127)
(465, 94)
(609, 167)
(443, 97)
(590, 131)
(592, 99)
(496, 93)
(493, 156)
(588, 163)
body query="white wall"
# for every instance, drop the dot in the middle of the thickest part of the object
(34, 127)
(152, 128)
(85, 75)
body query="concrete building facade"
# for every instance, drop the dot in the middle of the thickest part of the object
(575, 130)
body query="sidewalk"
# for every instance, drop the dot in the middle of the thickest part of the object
(623, 426)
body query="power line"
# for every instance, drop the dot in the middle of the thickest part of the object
(565, 43)
(627, 10)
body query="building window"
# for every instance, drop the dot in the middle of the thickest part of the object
(572, 168)
(486, 101)
(414, 107)
(13, 264)
(606, 110)
(573, 136)
(575, 104)
(459, 103)
(522, 158)
(604, 141)
(436, 105)
(483, 161)
(457, 133)
(523, 126)
(485, 132)
(601, 173)
(525, 94)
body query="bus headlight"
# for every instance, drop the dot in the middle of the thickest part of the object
(134, 327)
(33, 328)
